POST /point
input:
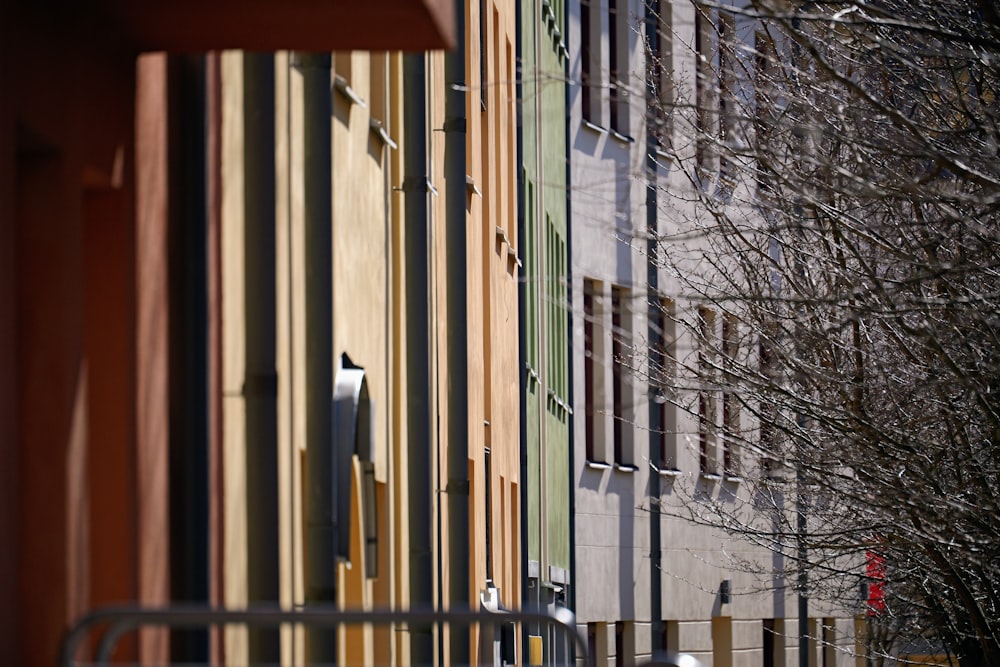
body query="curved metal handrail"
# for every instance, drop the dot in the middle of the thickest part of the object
(123, 619)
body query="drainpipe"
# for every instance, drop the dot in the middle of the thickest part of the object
(189, 351)
(457, 328)
(418, 351)
(260, 388)
(655, 425)
(567, 99)
(321, 489)
(522, 332)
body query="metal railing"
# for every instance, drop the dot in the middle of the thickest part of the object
(116, 622)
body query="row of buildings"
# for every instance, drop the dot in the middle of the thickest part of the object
(211, 226)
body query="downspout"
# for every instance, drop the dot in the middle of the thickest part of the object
(260, 388)
(569, 320)
(418, 351)
(321, 490)
(655, 425)
(457, 332)
(189, 343)
(522, 328)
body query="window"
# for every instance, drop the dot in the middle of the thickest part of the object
(662, 374)
(727, 91)
(767, 413)
(722, 640)
(829, 642)
(706, 394)
(624, 643)
(556, 313)
(343, 65)
(765, 106)
(482, 54)
(661, 70)
(378, 91)
(593, 375)
(730, 399)
(621, 349)
(618, 61)
(344, 76)
(670, 641)
(590, 61)
(597, 642)
(531, 270)
(706, 117)
(488, 493)
(770, 642)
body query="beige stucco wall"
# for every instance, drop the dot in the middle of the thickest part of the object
(366, 239)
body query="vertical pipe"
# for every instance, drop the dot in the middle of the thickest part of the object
(188, 275)
(457, 330)
(569, 327)
(321, 492)
(652, 279)
(260, 388)
(213, 112)
(522, 334)
(418, 351)
(803, 578)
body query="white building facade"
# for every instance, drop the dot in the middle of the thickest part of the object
(649, 444)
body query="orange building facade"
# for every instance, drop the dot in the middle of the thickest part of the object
(112, 368)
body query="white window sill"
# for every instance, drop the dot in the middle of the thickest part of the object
(598, 465)
(625, 467)
(710, 476)
(621, 138)
(586, 124)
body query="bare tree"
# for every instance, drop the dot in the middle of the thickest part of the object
(844, 157)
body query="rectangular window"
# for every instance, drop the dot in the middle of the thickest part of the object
(829, 642)
(765, 105)
(769, 642)
(482, 55)
(590, 61)
(730, 398)
(343, 65)
(671, 640)
(621, 350)
(378, 93)
(378, 89)
(722, 641)
(727, 90)
(556, 298)
(619, 644)
(624, 643)
(661, 71)
(597, 643)
(593, 375)
(706, 117)
(767, 413)
(531, 275)
(706, 393)
(663, 378)
(618, 64)
(488, 494)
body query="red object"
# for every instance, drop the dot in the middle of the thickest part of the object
(875, 571)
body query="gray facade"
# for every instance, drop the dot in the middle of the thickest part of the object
(648, 578)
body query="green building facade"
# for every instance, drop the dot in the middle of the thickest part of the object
(545, 301)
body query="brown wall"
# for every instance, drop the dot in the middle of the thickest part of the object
(66, 136)
(85, 202)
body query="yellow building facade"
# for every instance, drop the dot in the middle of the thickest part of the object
(318, 142)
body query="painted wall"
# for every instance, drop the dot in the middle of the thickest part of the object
(612, 521)
(546, 300)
